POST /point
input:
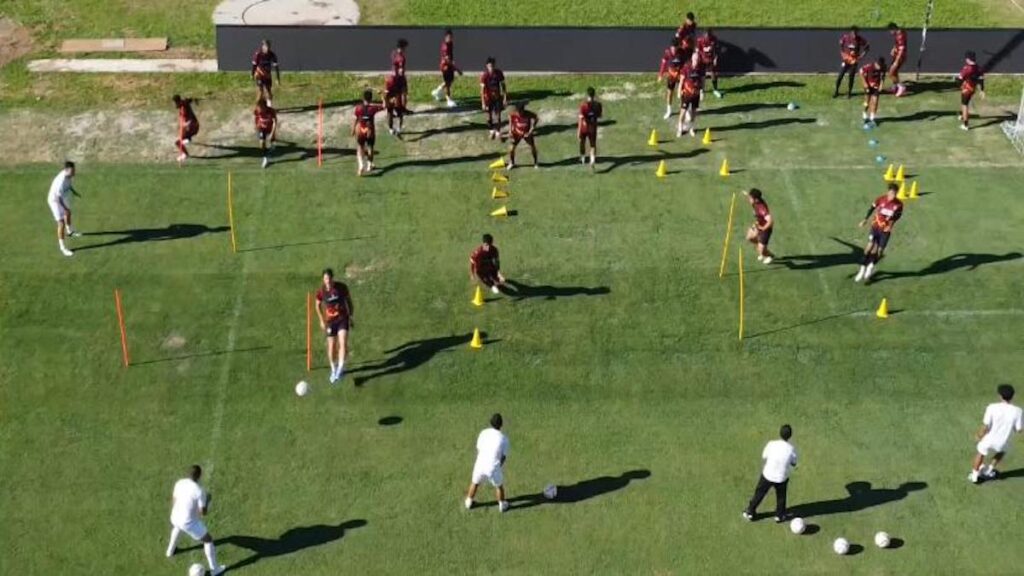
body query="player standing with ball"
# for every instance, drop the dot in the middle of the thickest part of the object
(1001, 420)
(189, 504)
(779, 460)
(491, 452)
(60, 203)
(334, 308)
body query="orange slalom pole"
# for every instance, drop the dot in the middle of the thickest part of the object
(728, 233)
(309, 332)
(320, 133)
(231, 215)
(739, 256)
(124, 332)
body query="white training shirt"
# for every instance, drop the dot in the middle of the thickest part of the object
(189, 497)
(779, 459)
(1002, 419)
(491, 447)
(59, 188)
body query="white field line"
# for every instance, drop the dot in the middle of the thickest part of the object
(795, 202)
(225, 374)
(1018, 5)
(953, 313)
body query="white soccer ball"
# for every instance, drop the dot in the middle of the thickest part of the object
(196, 570)
(550, 491)
(797, 526)
(882, 540)
(841, 546)
(302, 388)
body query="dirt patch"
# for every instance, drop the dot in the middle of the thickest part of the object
(356, 272)
(15, 41)
(173, 341)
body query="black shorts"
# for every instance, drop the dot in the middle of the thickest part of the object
(367, 140)
(690, 104)
(262, 136)
(517, 138)
(869, 91)
(264, 82)
(764, 236)
(879, 238)
(671, 83)
(965, 97)
(488, 277)
(190, 130)
(495, 106)
(333, 328)
(448, 76)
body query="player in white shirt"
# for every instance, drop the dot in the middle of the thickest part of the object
(59, 200)
(1001, 420)
(189, 504)
(779, 460)
(491, 451)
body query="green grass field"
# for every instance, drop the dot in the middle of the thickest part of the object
(619, 371)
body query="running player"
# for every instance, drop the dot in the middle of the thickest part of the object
(852, 47)
(691, 82)
(686, 35)
(760, 232)
(59, 201)
(887, 210)
(670, 69)
(188, 124)
(971, 80)
(448, 70)
(398, 68)
(899, 56)
(521, 126)
(395, 88)
(263, 61)
(189, 503)
(364, 129)
(334, 308)
(872, 75)
(266, 128)
(493, 96)
(485, 266)
(586, 129)
(707, 50)
(491, 452)
(1001, 420)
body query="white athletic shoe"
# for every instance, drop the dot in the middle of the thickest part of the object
(468, 503)
(864, 116)
(973, 477)
(182, 157)
(436, 93)
(767, 260)
(503, 506)
(451, 103)
(693, 134)
(170, 552)
(990, 473)
(74, 233)
(333, 377)
(220, 569)
(494, 290)
(391, 131)
(718, 94)
(66, 252)
(859, 276)
(679, 132)
(510, 166)
(760, 258)
(266, 162)
(668, 113)
(964, 127)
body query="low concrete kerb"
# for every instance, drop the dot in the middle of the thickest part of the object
(287, 13)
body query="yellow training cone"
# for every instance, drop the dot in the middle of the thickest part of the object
(890, 174)
(498, 193)
(899, 174)
(724, 170)
(477, 342)
(883, 309)
(653, 140)
(706, 140)
(497, 164)
(499, 177)
(661, 172)
(503, 211)
(478, 297)
(913, 191)
(902, 194)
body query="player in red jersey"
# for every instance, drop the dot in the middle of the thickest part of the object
(263, 62)
(448, 70)
(485, 266)
(760, 232)
(365, 131)
(188, 124)
(395, 88)
(872, 75)
(899, 56)
(586, 128)
(971, 80)
(686, 35)
(707, 52)
(493, 95)
(335, 310)
(266, 128)
(852, 47)
(521, 126)
(887, 210)
(691, 82)
(670, 69)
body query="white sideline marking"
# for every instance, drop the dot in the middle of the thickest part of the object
(803, 224)
(127, 65)
(225, 373)
(953, 313)
(1018, 5)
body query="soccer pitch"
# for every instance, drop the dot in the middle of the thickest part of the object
(618, 368)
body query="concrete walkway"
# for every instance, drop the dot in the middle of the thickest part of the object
(286, 13)
(114, 65)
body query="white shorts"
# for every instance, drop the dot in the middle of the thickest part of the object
(194, 528)
(986, 447)
(57, 209)
(494, 476)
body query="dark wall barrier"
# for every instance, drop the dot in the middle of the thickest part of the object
(366, 49)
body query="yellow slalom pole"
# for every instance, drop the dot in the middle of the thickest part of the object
(231, 216)
(739, 261)
(728, 232)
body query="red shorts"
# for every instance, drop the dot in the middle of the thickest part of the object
(589, 132)
(897, 64)
(671, 82)
(517, 138)
(366, 138)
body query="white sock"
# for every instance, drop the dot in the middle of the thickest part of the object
(861, 271)
(593, 157)
(872, 117)
(341, 366)
(334, 368)
(175, 532)
(211, 555)
(870, 270)
(668, 108)
(61, 243)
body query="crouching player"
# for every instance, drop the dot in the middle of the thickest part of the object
(872, 75)
(521, 126)
(586, 131)
(887, 210)
(188, 124)
(266, 128)
(485, 266)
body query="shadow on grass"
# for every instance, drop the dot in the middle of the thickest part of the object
(314, 107)
(580, 491)
(390, 421)
(762, 124)
(808, 323)
(412, 355)
(171, 232)
(741, 108)
(949, 264)
(202, 355)
(852, 255)
(614, 162)
(290, 542)
(756, 86)
(283, 153)
(431, 162)
(861, 497)
(517, 290)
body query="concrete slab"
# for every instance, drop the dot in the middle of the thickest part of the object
(114, 45)
(287, 13)
(122, 65)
